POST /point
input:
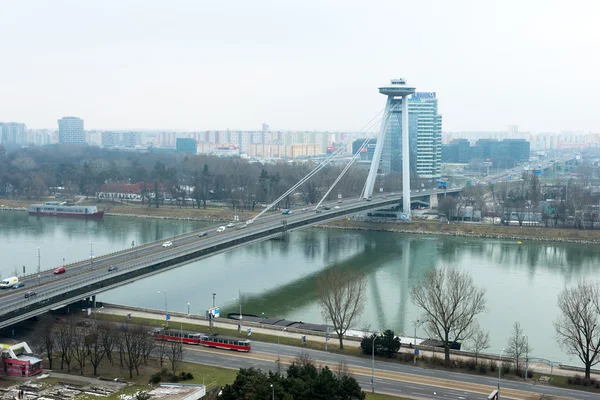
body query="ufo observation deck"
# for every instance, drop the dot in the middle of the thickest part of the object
(397, 87)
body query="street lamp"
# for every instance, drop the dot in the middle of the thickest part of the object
(165, 293)
(91, 253)
(214, 294)
(373, 365)
(272, 392)
(526, 356)
(415, 350)
(240, 300)
(188, 309)
(278, 359)
(500, 367)
(39, 268)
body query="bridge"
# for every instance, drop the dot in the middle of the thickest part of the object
(88, 278)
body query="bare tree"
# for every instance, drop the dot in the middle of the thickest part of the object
(160, 351)
(518, 346)
(342, 298)
(79, 348)
(480, 342)
(93, 344)
(46, 342)
(578, 325)
(175, 354)
(109, 340)
(64, 342)
(132, 347)
(451, 301)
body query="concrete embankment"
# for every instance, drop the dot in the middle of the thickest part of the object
(311, 336)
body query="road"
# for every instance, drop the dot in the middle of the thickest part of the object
(391, 378)
(82, 274)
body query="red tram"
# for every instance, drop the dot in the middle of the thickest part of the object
(203, 339)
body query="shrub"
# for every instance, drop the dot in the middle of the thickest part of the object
(578, 380)
(493, 366)
(470, 365)
(155, 378)
(506, 367)
(482, 368)
(521, 374)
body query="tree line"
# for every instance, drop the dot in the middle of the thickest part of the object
(450, 302)
(29, 173)
(75, 344)
(567, 203)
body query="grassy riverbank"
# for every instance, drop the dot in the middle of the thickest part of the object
(429, 227)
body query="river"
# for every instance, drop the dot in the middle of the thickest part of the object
(278, 278)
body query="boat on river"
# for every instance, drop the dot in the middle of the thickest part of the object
(62, 209)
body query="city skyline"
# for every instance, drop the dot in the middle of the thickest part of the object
(189, 66)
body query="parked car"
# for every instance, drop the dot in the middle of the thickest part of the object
(167, 244)
(202, 234)
(18, 285)
(60, 270)
(112, 268)
(29, 294)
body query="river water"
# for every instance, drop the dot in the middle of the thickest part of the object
(278, 278)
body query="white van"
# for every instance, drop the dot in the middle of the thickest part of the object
(8, 282)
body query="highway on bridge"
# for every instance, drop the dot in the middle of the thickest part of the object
(90, 277)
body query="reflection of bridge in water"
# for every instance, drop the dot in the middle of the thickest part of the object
(402, 257)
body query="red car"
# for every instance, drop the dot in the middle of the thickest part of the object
(60, 270)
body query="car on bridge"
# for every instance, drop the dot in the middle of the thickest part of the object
(113, 268)
(221, 229)
(18, 285)
(167, 244)
(29, 294)
(60, 270)
(202, 234)
(230, 225)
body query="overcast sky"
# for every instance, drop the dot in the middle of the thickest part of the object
(199, 65)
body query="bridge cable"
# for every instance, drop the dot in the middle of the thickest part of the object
(346, 168)
(313, 172)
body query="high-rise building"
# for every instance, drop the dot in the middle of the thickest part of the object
(13, 132)
(424, 106)
(70, 130)
(186, 145)
(130, 139)
(111, 139)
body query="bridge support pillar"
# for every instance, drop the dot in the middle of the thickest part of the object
(433, 201)
(94, 301)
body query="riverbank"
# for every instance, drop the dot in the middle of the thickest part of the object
(483, 231)
(215, 213)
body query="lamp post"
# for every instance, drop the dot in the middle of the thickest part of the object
(415, 339)
(526, 356)
(500, 367)
(240, 300)
(39, 268)
(278, 359)
(188, 309)
(165, 293)
(214, 295)
(373, 365)
(91, 253)
(64, 263)
(272, 392)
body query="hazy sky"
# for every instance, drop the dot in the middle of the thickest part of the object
(198, 65)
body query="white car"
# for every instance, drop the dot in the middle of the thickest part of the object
(230, 225)
(337, 207)
(250, 221)
(167, 244)
(221, 229)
